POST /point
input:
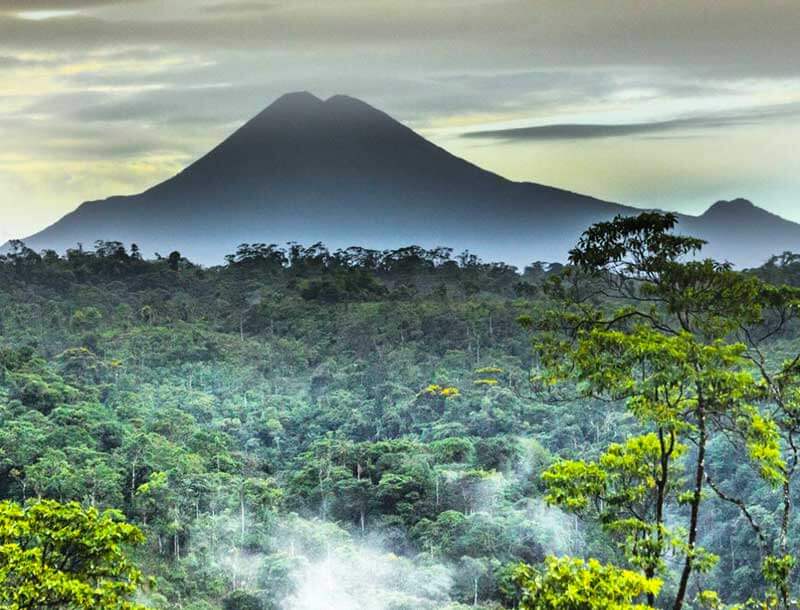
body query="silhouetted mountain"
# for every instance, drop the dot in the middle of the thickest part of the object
(341, 172)
(742, 233)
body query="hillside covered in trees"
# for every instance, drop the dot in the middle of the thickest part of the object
(414, 429)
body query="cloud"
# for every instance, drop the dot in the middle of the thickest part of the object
(16, 62)
(696, 35)
(16, 6)
(594, 131)
(9, 61)
(587, 131)
(238, 7)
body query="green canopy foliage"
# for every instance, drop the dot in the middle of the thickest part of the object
(267, 421)
(64, 556)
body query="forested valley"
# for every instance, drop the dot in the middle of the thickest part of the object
(302, 429)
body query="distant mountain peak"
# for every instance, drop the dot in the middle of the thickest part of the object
(299, 102)
(289, 106)
(738, 203)
(304, 112)
(343, 98)
(736, 208)
(308, 105)
(297, 97)
(347, 101)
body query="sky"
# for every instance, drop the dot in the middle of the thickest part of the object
(672, 104)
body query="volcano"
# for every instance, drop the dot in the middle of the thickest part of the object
(341, 172)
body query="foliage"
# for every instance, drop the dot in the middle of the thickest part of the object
(572, 584)
(664, 337)
(62, 555)
(268, 420)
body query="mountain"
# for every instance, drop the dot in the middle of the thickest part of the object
(742, 233)
(344, 173)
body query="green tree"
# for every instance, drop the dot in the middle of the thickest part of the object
(627, 490)
(64, 556)
(639, 321)
(572, 584)
(242, 600)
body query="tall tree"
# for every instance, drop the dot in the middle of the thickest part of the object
(639, 319)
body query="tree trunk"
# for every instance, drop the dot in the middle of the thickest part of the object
(699, 476)
(787, 510)
(133, 480)
(661, 488)
(783, 543)
(241, 517)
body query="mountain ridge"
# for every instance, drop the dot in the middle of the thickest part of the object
(345, 173)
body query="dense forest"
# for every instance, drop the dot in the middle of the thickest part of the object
(409, 429)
